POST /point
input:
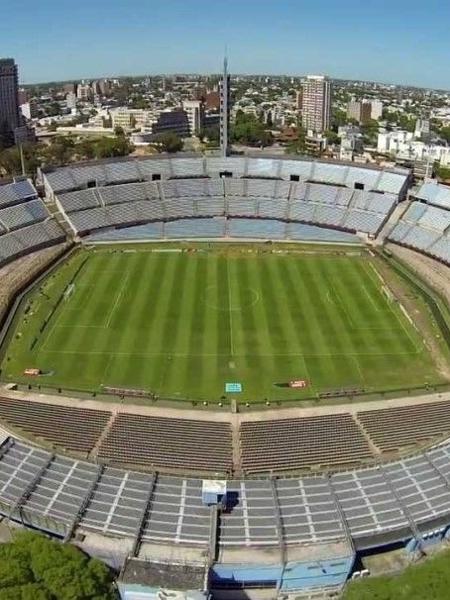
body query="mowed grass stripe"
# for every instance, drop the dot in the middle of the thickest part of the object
(122, 332)
(253, 362)
(193, 375)
(176, 315)
(353, 343)
(331, 323)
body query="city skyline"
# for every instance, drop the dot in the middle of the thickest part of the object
(54, 43)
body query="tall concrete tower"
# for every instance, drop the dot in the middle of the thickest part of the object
(224, 109)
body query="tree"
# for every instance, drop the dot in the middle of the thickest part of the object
(33, 567)
(118, 131)
(110, 147)
(332, 137)
(212, 134)
(249, 130)
(169, 142)
(60, 151)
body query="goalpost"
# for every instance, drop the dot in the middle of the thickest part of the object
(69, 291)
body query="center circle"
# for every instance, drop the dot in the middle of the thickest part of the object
(242, 298)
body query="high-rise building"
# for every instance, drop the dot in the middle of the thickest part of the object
(71, 100)
(9, 104)
(376, 111)
(224, 110)
(195, 114)
(359, 110)
(174, 121)
(84, 92)
(316, 103)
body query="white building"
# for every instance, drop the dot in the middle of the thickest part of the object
(422, 128)
(84, 92)
(376, 109)
(71, 100)
(402, 144)
(316, 103)
(133, 118)
(195, 113)
(392, 142)
(29, 110)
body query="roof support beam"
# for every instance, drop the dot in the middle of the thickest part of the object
(143, 518)
(84, 504)
(405, 509)
(280, 533)
(341, 513)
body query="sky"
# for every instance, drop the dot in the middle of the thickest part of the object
(393, 41)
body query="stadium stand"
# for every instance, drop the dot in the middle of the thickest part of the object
(196, 228)
(16, 193)
(425, 228)
(25, 223)
(433, 193)
(73, 429)
(256, 229)
(23, 214)
(348, 198)
(293, 444)
(169, 443)
(376, 506)
(73, 177)
(398, 427)
(310, 203)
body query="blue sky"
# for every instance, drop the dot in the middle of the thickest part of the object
(394, 41)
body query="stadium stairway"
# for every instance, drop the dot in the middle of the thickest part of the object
(394, 218)
(62, 222)
(93, 455)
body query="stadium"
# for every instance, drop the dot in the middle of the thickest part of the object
(227, 376)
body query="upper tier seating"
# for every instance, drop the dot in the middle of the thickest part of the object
(425, 228)
(115, 171)
(434, 193)
(80, 200)
(25, 240)
(14, 193)
(20, 215)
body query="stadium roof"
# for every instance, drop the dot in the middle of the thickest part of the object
(370, 507)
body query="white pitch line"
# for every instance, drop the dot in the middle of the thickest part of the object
(119, 296)
(211, 355)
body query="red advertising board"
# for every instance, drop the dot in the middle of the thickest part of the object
(298, 383)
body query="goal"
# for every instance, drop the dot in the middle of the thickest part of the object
(69, 291)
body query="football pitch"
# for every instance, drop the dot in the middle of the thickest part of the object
(183, 324)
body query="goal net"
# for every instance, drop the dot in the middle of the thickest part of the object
(69, 291)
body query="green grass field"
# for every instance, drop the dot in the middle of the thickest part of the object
(182, 324)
